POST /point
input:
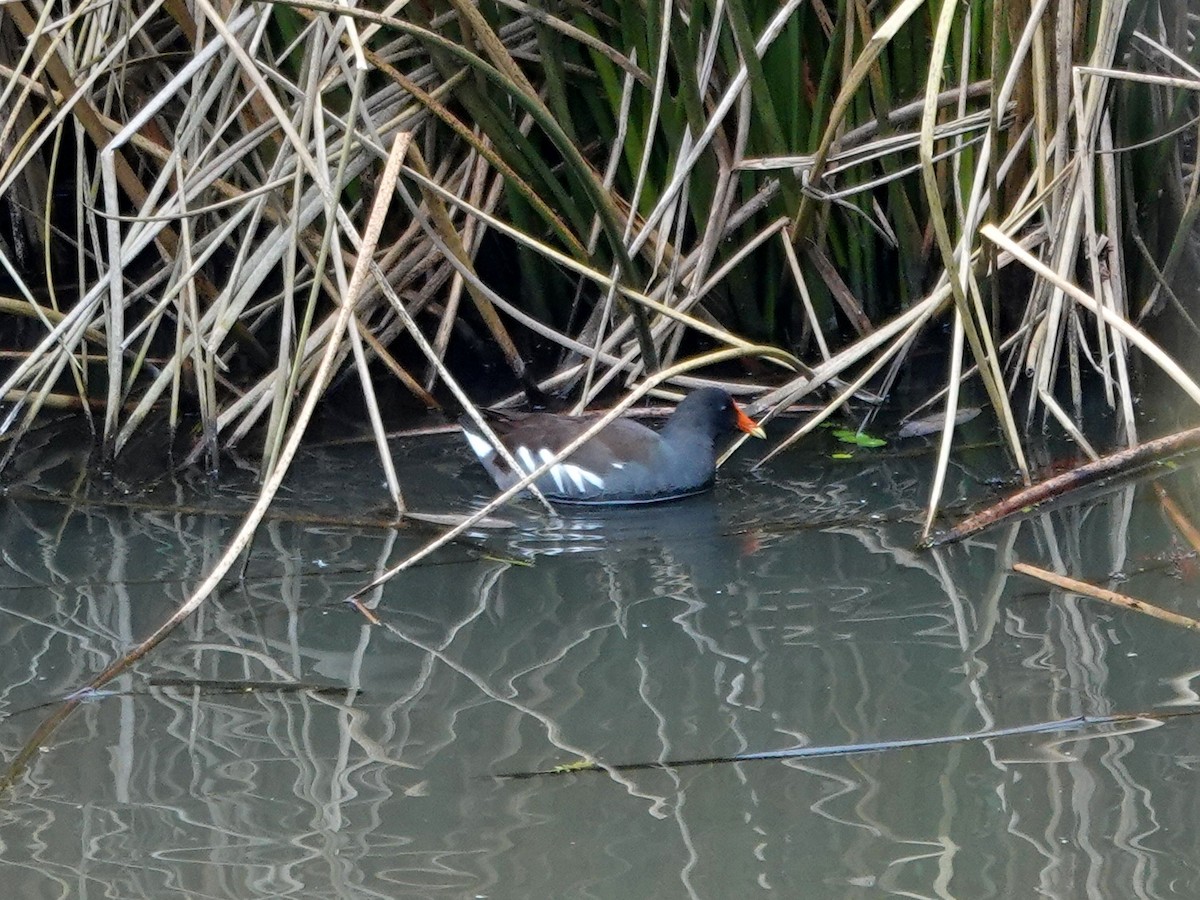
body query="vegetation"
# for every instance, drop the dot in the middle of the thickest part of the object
(625, 193)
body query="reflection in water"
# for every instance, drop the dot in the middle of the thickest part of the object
(779, 611)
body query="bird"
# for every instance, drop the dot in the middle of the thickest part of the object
(626, 462)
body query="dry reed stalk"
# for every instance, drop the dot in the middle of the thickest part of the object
(1106, 596)
(245, 533)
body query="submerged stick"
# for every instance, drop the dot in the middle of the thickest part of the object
(1120, 463)
(1178, 519)
(1075, 723)
(1105, 595)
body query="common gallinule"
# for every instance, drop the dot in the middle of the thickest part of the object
(626, 462)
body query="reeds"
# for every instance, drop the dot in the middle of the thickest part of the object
(667, 181)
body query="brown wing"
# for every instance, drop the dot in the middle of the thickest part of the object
(621, 441)
(615, 465)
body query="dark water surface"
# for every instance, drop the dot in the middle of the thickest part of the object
(280, 745)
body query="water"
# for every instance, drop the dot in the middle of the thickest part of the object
(787, 609)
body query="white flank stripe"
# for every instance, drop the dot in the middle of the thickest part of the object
(573, 471)
(556, 473)
(479, 445)
(555, 470)
(526, 459)
(618, 465)
(579, 476)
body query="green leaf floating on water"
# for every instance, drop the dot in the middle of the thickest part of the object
(858, 438)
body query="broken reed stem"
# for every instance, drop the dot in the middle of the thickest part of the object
(1105, 595)
(1023, 501)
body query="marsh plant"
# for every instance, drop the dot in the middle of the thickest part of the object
(603, 200)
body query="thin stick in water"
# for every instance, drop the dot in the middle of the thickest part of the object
(1105, 595)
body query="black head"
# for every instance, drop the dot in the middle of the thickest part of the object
(712, 411)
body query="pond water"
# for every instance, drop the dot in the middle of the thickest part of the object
(281, 745)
